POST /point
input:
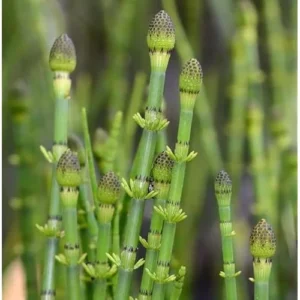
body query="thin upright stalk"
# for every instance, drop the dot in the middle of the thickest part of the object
(189, 85)
(68, 175)
(161, 172)
(223, 190)
(26, 188)
(160, 35)
(89, 153)
(62, 62)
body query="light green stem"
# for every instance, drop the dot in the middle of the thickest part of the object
(227, 250)
(89, 153)
(55, 218)
(72, 251)
(141, 171)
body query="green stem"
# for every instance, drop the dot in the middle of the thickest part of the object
(227, 250)
(103, 247)
(174, 197)
(92, 227)
(152, 250)
(55, 218)
(261, 290)
(89, 153)
(71, 251)
(141, 172)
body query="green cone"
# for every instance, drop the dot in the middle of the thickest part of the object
(109, 188)
(262, 240)
(68, 170)
(161, 33)
(62, 55)
(162, 168)
(190, 79)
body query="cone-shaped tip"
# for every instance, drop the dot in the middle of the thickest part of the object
(190, 79)
(161, 33)
(109, 188)
(62, 55)
(68, 170)
(262, 240)
(162, 167)
(223, 184)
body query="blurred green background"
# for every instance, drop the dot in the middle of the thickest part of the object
(245, 118)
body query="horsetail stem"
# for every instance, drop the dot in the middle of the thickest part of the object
(109, 190)
(89, 153)
(223, 190)
(262, 248)
(85, 197)
(160, 40)
(161, 173)
(190, 81)
(68, 176)
(238, 103)
(22, 137)
(62, 62)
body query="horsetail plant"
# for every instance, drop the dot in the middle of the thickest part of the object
(62, 62)
(160, 40)
(190, 81)
(69, 178)
(109, 189)
(25, 203)
(262, 248)
(223, 190)
(161, 174)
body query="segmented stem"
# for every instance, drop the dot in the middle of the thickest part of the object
(55, 217)
(160, 40)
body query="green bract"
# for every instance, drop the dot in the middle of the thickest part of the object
(68, 170)
(262, 240)
(161, 33)
(62, 55)
(109, 188)
(190, 79)
(162, 167)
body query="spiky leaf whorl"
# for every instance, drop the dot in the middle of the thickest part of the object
(190, 79)
(62, 55)
(68, 170)
(162, 167)
(109, 188)
(161, 33)
(262, 240)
